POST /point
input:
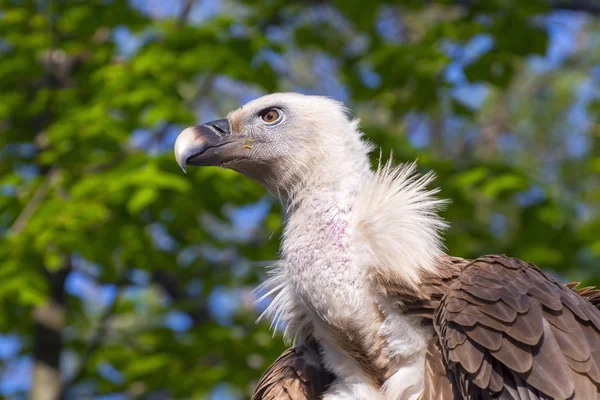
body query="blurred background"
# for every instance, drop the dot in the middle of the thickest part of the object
(123, 278)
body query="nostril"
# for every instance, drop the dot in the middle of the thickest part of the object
(217, 128)
(220, 126)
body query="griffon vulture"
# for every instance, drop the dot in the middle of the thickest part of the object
(374, 307)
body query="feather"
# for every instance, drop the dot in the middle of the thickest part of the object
(550, 373)
(527, 328)
(514, 355)
(489, 338)
(396, 218)
(283, 311)
(297, 374)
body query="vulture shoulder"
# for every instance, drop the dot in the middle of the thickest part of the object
(298, 374)
(508, 330)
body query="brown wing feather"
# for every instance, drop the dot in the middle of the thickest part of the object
(590, 293)
(439, 386)
(297, 374)
(508, 330)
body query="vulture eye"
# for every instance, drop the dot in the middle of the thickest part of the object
(270, 116)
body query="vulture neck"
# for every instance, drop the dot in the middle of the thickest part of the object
(333, 185)
(318, 244)
(344, 212)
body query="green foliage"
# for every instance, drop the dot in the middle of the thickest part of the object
(80, 196)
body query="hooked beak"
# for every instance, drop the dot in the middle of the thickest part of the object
(206, 144)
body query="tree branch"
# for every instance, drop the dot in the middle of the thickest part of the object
(587, 6)
(33, 204)
(185, 12)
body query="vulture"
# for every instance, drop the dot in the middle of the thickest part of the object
(373, 306)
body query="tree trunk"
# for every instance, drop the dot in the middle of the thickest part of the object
(49, 319)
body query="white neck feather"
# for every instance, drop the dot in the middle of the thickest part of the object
(396, 217)
(388, 216)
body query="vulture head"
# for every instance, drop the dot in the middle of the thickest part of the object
(279, 140)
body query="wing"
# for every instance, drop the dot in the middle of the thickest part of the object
(508, 330)
(296, 375)
(437, 382)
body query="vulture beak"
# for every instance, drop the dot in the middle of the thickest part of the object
(206, 144)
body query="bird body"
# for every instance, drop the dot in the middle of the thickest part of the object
(374, 307)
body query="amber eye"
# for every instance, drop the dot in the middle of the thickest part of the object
(270, 116)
